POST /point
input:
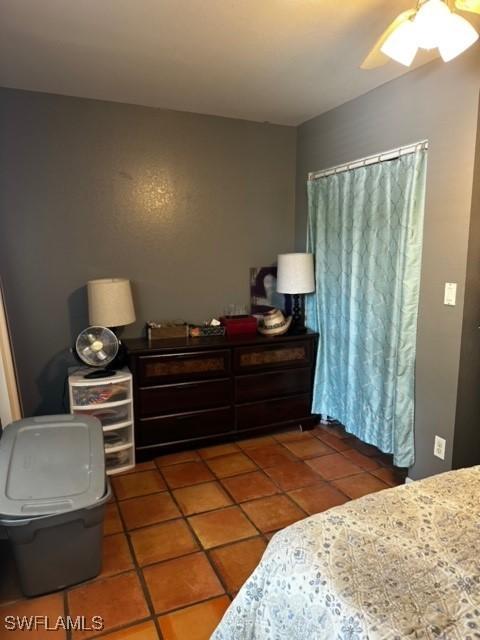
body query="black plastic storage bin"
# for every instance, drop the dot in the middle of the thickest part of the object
(53, 492)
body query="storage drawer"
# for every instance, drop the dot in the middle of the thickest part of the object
(258, 414)
(108, 416)
(117, 438)
(175, 367)
(261, 386)
(117, 461)
(273, 356)
(100, 394)
(186, 426)
(180, 398)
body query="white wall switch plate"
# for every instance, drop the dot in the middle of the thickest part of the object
(439, 447)
(450, 298)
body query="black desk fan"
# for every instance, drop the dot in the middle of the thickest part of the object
(98, 347)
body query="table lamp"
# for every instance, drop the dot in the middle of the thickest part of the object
(110, 302)
(295, 276)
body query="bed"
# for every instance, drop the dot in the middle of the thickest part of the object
(401, 563)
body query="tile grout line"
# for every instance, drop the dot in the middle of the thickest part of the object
(296, 460)
(139, 572)
(262, 533)
(123, 627)
(198, 541)
(239, 504)
(202, 549)
(236, 504)
(66, 611)
(196, 538)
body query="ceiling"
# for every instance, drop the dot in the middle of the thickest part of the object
(281, 61)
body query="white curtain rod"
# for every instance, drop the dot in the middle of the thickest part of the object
(374, 159)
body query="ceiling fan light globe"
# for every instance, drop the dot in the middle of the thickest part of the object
(431, 23)
(402, 45)
(459, 37)
(468, 5)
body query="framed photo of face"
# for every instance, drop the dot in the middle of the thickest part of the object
(263, 291)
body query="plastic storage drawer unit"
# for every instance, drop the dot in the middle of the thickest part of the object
(53, 492)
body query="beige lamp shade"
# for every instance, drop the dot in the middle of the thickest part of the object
(295, 273)
(110, 302)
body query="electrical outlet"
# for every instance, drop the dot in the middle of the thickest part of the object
(439, 447)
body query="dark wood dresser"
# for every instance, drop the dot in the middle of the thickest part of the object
(199, 391)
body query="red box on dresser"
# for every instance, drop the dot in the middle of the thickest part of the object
(239, 325)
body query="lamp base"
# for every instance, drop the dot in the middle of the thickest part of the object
(297, 330)
(298, 314)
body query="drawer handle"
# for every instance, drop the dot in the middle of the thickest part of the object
(187, 356)
(186, 385)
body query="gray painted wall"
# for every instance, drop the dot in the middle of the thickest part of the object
(466, 449)
(181, 204)
(438, 102)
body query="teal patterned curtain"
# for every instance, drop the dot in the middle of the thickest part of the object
(365, 228)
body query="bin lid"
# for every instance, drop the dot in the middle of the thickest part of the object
(51, 464)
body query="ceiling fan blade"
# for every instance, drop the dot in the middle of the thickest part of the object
(376, 58)
(473, 6)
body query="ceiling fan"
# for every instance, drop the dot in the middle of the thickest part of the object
(432, 24)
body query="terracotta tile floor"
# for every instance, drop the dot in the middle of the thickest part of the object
(186, 530)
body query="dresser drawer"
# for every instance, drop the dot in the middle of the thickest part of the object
(258, 414)
(273, 356)
(175, 367)
(180, 398)
(170, 429)
(261, 386)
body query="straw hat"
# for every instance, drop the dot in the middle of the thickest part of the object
(274, 323)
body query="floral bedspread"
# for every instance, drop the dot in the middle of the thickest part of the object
(401, 563)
